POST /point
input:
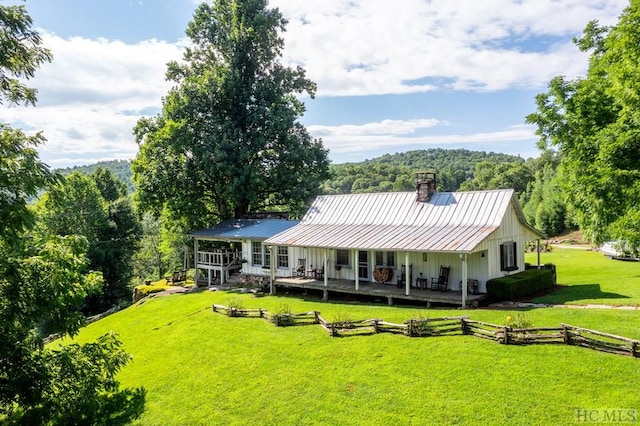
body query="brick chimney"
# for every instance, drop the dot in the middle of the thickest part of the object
(425, 186)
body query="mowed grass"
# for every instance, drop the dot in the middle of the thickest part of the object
(200, 367)
(591, 278)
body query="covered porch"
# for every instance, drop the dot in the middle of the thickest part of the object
(386, 292)
(217, 265)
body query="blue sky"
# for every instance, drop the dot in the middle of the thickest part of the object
(392, 76)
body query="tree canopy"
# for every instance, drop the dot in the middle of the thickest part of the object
(593, 124)
(97, 207)
(20, 55)
(45, 279)
(228, 140)
(395, 172)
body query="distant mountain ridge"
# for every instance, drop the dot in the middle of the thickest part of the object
(394, 172)
(389, 172)
(120, 168)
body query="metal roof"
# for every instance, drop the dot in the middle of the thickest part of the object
(448, 222)
(238, 229)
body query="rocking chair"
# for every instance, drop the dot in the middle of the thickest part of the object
(442, 282)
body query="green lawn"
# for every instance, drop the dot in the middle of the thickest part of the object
(591, 278)
(203, 368)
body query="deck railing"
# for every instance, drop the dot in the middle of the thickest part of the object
(221, 258)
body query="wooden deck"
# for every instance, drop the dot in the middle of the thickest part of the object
(390, 292)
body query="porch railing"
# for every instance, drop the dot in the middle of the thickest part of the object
(219, 257)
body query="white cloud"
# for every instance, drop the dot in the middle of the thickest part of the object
(94, 91)
(375, 46)
(383, 128)
(91, 96)
(359, 141)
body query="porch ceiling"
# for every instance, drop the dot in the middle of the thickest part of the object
(446, 238)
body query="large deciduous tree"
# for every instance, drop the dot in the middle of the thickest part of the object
(594, 124)
(20, 55)
(45, 280)
(228, 140)
(98, 208)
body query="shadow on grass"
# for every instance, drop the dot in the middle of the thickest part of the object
(576, 293)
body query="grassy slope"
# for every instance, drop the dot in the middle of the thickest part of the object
(592, 278)
(204, 368)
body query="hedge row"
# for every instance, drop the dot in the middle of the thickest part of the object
(519, 285)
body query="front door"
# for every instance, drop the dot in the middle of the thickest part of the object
(363, 265)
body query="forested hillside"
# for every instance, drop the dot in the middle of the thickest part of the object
(120, 168)
(394, 172)
(390, 172)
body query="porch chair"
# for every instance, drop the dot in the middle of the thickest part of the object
(318, 273)
(301, 269)
(442, 282)
(403, 275)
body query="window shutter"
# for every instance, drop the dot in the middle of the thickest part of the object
(502, 257)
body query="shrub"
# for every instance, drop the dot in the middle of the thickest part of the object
(144, 290)
(519, 285)
(235, 303)
(343, 319)
(283, 316)
(519, 321)
(420, 326)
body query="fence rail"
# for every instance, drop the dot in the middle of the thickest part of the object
(600, 341)
(435, 326)
(459, 325)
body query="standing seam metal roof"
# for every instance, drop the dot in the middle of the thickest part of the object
(448, 222)
(237, 229)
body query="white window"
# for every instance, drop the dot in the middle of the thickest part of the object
(256, 253)
(260, 255)
(508, 257)
(342, 258)
(267, 257)
(386, 258)
(283, 257)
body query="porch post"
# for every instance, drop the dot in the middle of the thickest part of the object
(195, 260)
(272, 278)
(223, 267)
(407, 273)
(325, 291)
(538, 249)
(356, 269)
(463, 257)
(325, 276)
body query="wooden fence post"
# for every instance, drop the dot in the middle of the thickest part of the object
(565, 335)
(505, 338)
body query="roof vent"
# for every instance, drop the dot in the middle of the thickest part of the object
(425, 186)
